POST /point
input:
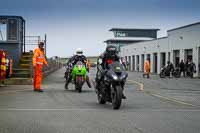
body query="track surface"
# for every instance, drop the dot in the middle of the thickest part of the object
(164, 106)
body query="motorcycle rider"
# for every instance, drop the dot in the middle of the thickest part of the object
(72, 61)
(108, 57)
(169, 68)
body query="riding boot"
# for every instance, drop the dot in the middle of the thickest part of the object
(66, 85)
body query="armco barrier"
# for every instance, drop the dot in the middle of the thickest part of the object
(53, 65)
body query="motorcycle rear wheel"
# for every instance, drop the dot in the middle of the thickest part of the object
(78, 87)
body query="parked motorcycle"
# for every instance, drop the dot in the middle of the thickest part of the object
(165, 72)
(112, 86)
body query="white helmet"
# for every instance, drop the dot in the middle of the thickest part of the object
(79, 51)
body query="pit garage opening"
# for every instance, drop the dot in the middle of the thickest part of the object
(133, 63)
(162, 59)
(188, 54)
(198, 66)
(138, 63)
(176, 58)
(155, 62)
(142, 62)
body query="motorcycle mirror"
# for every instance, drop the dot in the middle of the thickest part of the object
(100, 61)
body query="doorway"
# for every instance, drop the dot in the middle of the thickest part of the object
(129, 63)
(188, 54)
(176, 58)
(198, 65)
(162, 59)
(133, 63)
(138, 63)
(142, 63)
(155, 63)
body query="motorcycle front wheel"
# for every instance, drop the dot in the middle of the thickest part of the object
(117, 97)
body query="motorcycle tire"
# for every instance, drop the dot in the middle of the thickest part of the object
(78, 87)
(162, 75)
(117, 97)
(177, 75)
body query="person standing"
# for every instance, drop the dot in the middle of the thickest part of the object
(192, 68)
(147, 68)
(182, 68)
(2, 66)
(38, 61)
(88, 65)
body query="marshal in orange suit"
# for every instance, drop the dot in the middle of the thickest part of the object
(38, 61)
(147, 68)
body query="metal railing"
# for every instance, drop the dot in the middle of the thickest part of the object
(32, 42)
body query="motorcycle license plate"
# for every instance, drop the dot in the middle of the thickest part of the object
(79, 78)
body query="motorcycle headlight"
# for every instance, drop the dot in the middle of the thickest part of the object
(114, 77)
(124, 76)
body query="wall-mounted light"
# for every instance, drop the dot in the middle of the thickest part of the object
(181, 37)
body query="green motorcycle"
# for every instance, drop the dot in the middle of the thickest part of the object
(79, 75)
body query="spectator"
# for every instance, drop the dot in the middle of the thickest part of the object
(191, 68)
(169, 68)
(182, 67)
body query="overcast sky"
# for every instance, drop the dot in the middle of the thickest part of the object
(70, 24)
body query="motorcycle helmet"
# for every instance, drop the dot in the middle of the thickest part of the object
(79, 51)
(111, 51)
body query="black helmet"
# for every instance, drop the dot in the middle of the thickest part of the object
(111, 50)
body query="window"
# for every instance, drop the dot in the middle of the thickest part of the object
(3, 30)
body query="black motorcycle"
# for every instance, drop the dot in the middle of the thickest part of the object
(111, 87)
(166, 73)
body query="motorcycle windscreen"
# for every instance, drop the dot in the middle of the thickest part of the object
(116, 67)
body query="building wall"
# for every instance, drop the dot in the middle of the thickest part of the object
(181, 40)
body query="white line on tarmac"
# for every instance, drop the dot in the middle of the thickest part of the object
(14, 91)
(171, 99)
(69, 109)
(100, 109)
(138, 83)
(161, 96)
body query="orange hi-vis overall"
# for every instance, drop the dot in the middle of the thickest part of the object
(2, 65)
(38, 61)
(147, 67)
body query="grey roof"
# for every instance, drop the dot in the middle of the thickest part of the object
(10, 16)
(123, 40)
(132, 29)
(184, 26)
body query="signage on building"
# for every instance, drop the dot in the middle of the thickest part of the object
(120, 34)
